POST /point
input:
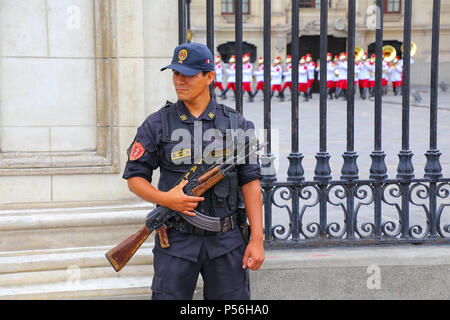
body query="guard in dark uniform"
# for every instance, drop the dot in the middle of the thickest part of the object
(222, 258)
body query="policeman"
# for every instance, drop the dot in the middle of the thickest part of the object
(222, 258)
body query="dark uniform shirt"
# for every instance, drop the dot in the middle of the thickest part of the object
(149, 134)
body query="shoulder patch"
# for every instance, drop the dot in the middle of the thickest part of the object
(137, 151)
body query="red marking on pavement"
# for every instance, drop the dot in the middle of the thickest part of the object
(321, 255)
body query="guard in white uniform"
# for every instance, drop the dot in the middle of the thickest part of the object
(303, 78)
(259, 76)
(277, 77)
(247, 74)
(364, 75)
(231, 77)
(218, 69)
(287, 75)
(396, 74)
(311, 66)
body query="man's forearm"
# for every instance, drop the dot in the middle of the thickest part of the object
(253, 205)
(145, 190)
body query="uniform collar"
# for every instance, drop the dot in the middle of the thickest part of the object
(186, 117)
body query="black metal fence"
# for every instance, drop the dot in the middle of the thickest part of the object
(296, 195)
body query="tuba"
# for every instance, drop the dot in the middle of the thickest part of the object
(389, 53)
(413, 49)
(359, 52)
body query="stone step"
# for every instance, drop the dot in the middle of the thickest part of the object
(73, 273)
(43, 260)
(89, 288)
(58, 252)
(55, 228)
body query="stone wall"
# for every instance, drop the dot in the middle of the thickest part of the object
(76, 79)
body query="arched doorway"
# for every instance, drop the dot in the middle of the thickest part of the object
(228, 49)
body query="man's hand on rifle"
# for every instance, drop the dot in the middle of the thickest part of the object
(176, 200)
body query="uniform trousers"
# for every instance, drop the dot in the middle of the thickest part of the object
(218, 85)
(260, 85)
(223, 277)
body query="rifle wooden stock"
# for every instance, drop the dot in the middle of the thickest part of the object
(119, 256)
(208, 174)
(202, 188)
(122, 253)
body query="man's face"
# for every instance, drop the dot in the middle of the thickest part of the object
(189, 88)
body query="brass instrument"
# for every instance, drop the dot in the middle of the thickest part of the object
(359, 52)
(413, 48)
(389, 53)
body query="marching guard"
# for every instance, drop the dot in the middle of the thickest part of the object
(287, 75)
(231, 77)
(342, 68)
(277, 77)
(396, 71)
(247, 75)
(364, 75)
(259, 76)
(218, 69)
(303, 78)
(311, 66)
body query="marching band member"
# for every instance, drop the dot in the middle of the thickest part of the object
(331, 68)
(337, 90)
(311, 66)
(259, 75)
(371, 68)
(247, 74)
(364, 75)
(318, 71)
(287, 75)
(385, 77)
(218, 69)
(277, 76)
(342, 67)
(231, 77)
(396, 74)
(303, 78)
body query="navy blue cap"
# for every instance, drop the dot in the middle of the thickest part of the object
(191, 58)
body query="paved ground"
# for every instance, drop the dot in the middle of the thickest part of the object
(364, 139)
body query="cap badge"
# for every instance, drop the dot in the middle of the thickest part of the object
(182, 55)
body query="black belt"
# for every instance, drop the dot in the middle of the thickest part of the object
(226, 224)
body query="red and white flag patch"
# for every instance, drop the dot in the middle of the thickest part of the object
(137, 151)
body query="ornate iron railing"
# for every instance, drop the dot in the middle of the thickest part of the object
(350, 210)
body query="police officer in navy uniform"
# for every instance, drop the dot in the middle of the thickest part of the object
(222, 258)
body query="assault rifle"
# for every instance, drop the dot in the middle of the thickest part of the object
(199, 182)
